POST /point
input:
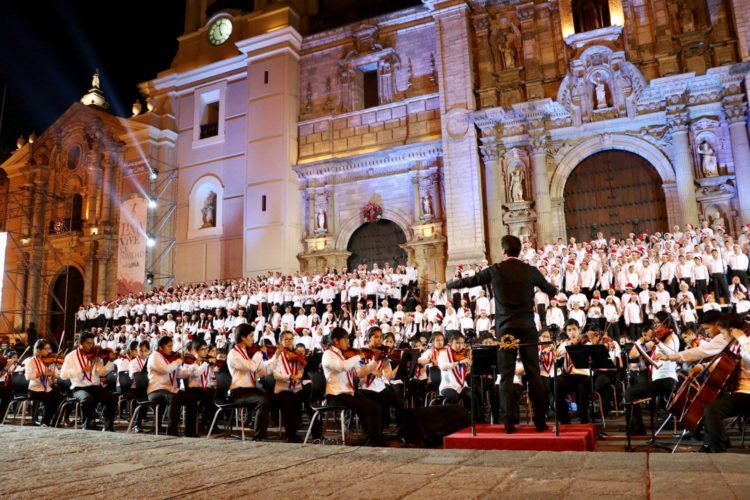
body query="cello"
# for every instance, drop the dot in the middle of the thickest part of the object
(692, 398)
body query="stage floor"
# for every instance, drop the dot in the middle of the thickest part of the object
(67, 463)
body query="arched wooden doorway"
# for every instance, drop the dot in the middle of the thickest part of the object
(377, 242)
(615, 192)
(66, 296)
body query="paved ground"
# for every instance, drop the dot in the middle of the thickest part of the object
(64, 463)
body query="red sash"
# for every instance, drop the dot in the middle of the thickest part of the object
(290, 367)
(40, 370)
(243, 353)
(88, 376)
(459, 372)
(171, 375)
(547, 359)
(349, 374)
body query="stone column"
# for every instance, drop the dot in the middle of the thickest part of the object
(540, 183)
(736, 116)
(310, 194)
(107, 192)
(37, 241)
(102, 260)
(464, 200)
(683, 165)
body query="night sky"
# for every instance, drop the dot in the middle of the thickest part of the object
(50, 48)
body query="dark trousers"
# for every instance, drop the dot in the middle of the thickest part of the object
(290, 403)
(515, 416)
(453, 397)
(258, 402)
(51, 400)
(206, 399)
(89, 397)
(729, 405)
(701, 290)
(579, 384)
(633, 414)
(634, 331)
(175, 401)
(507, 367)
(418, 390)
(387, 399)
(369, 412)
(6, 395)
(721, 287)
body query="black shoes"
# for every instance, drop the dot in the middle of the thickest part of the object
(541, 427)
(510, 429)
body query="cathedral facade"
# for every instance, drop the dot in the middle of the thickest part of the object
(281, 139)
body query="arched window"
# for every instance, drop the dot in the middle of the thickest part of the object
(590, 15)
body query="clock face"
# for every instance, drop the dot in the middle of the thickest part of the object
(219, 31)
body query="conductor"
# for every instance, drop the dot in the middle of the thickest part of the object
(513, 285)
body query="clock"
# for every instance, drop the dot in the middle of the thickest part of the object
(219, 31)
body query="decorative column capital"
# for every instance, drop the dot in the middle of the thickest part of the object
(679, 122)
(537, 142)
(735, 112)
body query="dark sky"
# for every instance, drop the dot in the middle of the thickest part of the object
(50, 48)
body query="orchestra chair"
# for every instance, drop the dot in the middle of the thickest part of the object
(21, 399)
(322, 409)
(65, 404)
(432, 396)
(142, 403)
(224, 403)
(126, 396)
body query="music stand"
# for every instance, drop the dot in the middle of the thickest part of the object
(590, 357)
(484, 361)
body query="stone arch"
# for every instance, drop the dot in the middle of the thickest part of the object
(597, 144)
(353, 223)
(606, 142)
(62, 311)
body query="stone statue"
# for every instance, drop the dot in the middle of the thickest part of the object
(517, 176)
(601, 93)
(709, 165)
(427, 204)
(686, 20)
(321, 222)
(208, 212)
(95, 80)
(507, 53)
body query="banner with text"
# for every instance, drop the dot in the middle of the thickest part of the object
(131, 248)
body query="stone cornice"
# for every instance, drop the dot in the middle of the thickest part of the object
(393, 160)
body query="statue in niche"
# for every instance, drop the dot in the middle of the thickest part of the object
(709, 165)
(517, 177)
(208, 212)
(507, 52)
(687, 22)
(600, 91)
(95, 80)
(427, 205)
(321, 220)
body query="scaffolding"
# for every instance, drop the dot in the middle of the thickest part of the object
(38, 260)
(162, 179)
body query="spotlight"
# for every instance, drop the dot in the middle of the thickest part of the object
(152, 203)
(154, 174)
(150, 240)
(150, 278)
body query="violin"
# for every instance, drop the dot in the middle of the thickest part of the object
(255, 348)
(295, 357)
(54, 359)
(217, 361)
(103, 353)
(463, 354)
(662, 332)
(173, 357)
(366, 353)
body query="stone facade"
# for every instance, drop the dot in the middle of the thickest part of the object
(460, 119)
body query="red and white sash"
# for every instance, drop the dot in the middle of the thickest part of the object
(547, 359)
(87, 375)
(243, 353)
(459, 371)
(290, 367)
(40, 369)
(171, 375)
(349, 374)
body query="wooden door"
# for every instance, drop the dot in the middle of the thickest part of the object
(377, 242)
(615, 192)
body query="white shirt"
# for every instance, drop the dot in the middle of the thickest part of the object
(35, 374)
(73, 369)
(245, 369)
(340, 372)
(283, 373)
(163, 375)
(452, 377)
